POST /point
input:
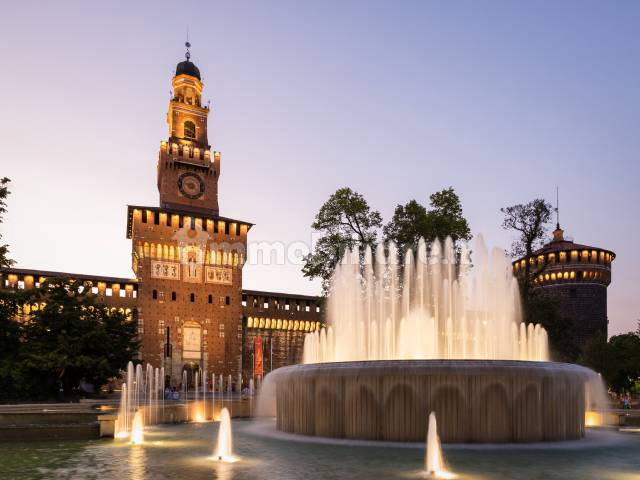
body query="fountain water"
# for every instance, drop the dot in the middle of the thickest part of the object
(137, 429)
(432, 334)
(438, 307)
(199, 405)
(434, 461)
(224, 449)
(141, 393)
(221, 382)
(122, 424)
(213, 397)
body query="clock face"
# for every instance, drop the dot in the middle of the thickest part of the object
(191, 185)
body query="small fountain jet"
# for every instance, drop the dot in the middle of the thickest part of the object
(137, 430)
(434, 463)
(224, 449)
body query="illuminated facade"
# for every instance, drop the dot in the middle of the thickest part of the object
(577, 276)
(187, 295)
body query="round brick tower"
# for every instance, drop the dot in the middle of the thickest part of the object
(577, 276)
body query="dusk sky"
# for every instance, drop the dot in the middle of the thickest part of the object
(504, 101)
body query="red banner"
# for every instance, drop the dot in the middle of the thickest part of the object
(258, 369)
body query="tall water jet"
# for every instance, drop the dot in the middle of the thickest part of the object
(224, 448)
(122, 424)
(199, 405)
(434, 461)
(433, 306)
(213, 397)
(137, 429)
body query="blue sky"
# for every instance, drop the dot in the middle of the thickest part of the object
(501, 100)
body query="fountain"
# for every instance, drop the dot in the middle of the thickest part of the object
(213, 397)
(137, 429)
(224, 449)
(141, 392)
(432, 334)
(434, 461)
(199, 405)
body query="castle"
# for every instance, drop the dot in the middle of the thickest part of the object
(187, 295)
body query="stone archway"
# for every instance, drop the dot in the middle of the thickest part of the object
(528, 420)
(362, 414)
(495, 414)
(400, 415)
(190, 368)
(451, 414)
(328, 413)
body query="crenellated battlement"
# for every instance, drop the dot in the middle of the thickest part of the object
(117, 293)
(187, 151)
(219, 227)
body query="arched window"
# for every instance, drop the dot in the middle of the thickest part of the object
(189, 129)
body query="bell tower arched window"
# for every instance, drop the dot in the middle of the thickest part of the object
(189, 130)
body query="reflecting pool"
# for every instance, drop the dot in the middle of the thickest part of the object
(186, 451)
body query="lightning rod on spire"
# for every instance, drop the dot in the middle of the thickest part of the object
(188, 45)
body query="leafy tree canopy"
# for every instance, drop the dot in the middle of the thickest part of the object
(530, 222)
(413, 221)
(617, 360)
(345, 221)
(5, 261)
(65, 339)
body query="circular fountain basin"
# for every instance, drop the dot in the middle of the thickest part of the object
(485, 401)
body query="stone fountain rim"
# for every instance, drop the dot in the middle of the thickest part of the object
(429, 367)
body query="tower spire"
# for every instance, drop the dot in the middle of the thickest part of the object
(188, 45)
(557, 208)
(558, 233)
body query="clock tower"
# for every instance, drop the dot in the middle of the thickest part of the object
(187, 258)
(188, 170)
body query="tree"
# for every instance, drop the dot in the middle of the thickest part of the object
(623, 371)
(618, 361)
(530, 222)
(5, 261)
(413, 221)
(408, 224)
(345, 221)
(10, 342)
(70, 338)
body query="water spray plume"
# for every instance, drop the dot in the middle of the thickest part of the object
(434, 461)
(433, 306)
(224, 448)
(137, 430)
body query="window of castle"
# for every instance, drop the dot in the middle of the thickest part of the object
(189, 129)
